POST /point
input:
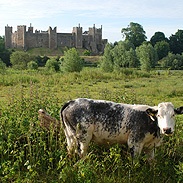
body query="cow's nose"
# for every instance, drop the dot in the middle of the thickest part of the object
(167, 130)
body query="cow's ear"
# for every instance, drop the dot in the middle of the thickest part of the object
(179, 110)
(151, 112)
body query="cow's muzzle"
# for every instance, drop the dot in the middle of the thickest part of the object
(167, 131)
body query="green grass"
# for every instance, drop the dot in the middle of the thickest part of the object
(29, 153)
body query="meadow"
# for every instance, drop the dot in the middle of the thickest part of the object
(29, 153)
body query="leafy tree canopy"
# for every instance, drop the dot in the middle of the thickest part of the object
(19, 59)
(124, 54)
(4, 53)
(157, 37)
(134, 33)
(172, 61)
(107, 62)
(72, 61)
(162, 48)
(176, 42)
(147, 56)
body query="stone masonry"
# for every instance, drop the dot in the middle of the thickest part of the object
(25, 39)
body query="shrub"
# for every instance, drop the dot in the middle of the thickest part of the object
(19, 59)
(52, 65)
(32, 65)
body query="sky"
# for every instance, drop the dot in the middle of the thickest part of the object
(153, 15)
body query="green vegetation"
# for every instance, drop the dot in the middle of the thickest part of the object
(29, 153)
(72, 61)
(20, 59)
(52, 65)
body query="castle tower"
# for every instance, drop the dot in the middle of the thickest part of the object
(8, 34)
(52, 38)
(30, 29)
(21, 31)
(78, 32)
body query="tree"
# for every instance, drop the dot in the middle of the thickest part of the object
(162, 48)
(72, 61)
(4, 53)
(19, 59)
(157, 37)
(176, 42)
(147, 56)
(124, 55)
(172, 61)
(107, 61)
(134, 33)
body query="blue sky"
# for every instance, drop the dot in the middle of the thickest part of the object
(154, 15)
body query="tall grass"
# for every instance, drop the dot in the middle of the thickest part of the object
(29, 153)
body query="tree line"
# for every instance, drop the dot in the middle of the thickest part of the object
(136, 51)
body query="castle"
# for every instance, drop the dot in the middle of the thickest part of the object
(22, 39)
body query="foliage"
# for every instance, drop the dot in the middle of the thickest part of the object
(4, 53)
(32, 65)
(52, 65)
(134, 33)
(124, 55)
(158, 37)
(106, 62)
(19, 59)
(87, 53)
(72, 61)
(176, 42)
(147, 56)
(162, 48)
(2, 66)
(172, 61)
(41, 61)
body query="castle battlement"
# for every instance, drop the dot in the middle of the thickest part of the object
(25, 39)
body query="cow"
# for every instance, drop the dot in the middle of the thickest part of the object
(106, 122)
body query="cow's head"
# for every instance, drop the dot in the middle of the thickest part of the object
(165, 115)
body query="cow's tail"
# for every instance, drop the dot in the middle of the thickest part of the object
(64, 122)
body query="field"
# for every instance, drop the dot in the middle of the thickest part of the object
(29, 153)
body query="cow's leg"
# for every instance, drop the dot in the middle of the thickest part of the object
(135, 146)
(84, 137)
(71, 141)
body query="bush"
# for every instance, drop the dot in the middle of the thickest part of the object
(52, 65)
(19, 59)
(32, 65)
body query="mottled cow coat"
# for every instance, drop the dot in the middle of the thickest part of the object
(106, 122)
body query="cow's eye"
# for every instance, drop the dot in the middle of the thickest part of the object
(158, 116)
(173, 115)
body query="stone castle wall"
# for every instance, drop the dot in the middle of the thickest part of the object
(22, 39)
